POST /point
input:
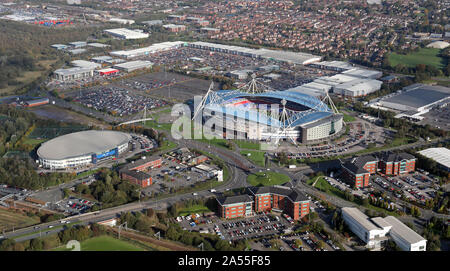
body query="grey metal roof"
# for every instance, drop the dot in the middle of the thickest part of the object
(420, 95)
(234, 199)
(356, 165)
(81, 143)
(291, 193)
(360, 218)
(137, 174)
(403, 231)
(440, 155)
(395, 157)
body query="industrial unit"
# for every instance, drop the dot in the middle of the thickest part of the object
(157, 47)
(440, 155)
(73, 73)
(414, 100)
(375, 232)
(127, 34)
(133, 65)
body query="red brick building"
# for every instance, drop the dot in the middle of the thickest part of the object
(137, 177)
(397, 163)
(280, 198)
(357, 170)
(133, 172)
(235, 206)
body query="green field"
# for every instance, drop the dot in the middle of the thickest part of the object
(324, 186)
(216, 142)
(248, 145)
(167, 145)
(194, 210)
(256, 157)
(8, 219)
(427, 56)
(267, 178)
(348, 118)
(104, 243)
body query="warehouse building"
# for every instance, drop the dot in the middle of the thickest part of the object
(121, 21)
(98, 45)
(358, 87)
(440, 155)
(133, 65)
(414, 100)
(281, 56)
(153, 22)
(157, 47)
(77, 51)
(59, 46)
(127, 34)
(73, 73)
(85, 64)
(101, 59)
(78, 44)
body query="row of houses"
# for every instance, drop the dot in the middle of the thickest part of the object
(357, 170)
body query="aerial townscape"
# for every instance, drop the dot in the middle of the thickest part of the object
(229, 125)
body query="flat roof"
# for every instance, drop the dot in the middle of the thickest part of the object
(127, 33)
(72, 71)
(440, 155)
(134, 64)
(81, 144)
(85, 64)
(419, 95)
(403, 231)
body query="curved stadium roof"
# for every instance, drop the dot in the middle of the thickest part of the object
(81, 144)
(316, 109)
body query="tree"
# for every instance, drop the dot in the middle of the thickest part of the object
(36, 244)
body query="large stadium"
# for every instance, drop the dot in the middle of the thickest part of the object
(82, 149)
(288, 115)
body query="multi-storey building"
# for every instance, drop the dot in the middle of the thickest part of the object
(396, 163)
(357, 170)
(235, 206)
(137, 177)
(278, 198)
(376, 231)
